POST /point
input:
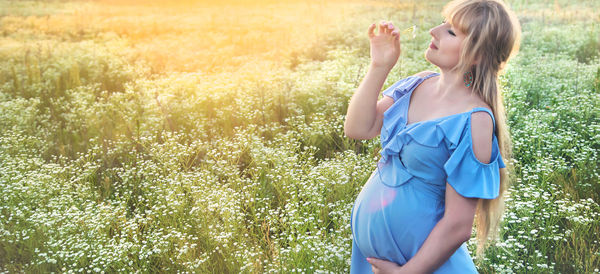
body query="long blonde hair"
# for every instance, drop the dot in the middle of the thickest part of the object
(493, 36)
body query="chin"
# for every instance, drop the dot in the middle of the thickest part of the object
(427, 57)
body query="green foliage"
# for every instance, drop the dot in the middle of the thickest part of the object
(119, 154)
(590, 50)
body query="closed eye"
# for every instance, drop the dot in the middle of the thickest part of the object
(449, 31)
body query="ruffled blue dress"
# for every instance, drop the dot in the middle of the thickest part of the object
(404, 198)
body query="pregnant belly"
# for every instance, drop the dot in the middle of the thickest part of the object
(392, 223)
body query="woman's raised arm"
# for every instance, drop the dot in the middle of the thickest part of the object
(365, 114)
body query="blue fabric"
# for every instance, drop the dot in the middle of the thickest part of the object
(405, 196)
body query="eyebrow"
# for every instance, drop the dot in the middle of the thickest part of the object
(453, 29)
(446, 21)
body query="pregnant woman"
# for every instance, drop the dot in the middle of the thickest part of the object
(443, 137)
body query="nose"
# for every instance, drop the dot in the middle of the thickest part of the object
(433, 31)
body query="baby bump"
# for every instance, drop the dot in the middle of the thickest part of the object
(393, 222)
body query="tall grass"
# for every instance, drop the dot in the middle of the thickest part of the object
(200, 137)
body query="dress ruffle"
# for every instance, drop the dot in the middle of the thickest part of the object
(398, 89)
(396, 92)
(470, 177)
(466, 174)
(428, 133)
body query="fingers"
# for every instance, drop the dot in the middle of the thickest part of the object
(395, 32)
(384, 28)
(374, 264)
(371, 30)
(392, 30)
(374, 261)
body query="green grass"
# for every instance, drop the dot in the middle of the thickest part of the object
(169, 137)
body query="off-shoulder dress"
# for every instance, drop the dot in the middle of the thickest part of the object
(404, 198)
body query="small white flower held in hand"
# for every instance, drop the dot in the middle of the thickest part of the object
(411, 32)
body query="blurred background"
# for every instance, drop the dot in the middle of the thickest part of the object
(203, 136)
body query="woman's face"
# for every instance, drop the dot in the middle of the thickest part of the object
(445, 48)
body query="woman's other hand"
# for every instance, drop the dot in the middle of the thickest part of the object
(385, 46)
(383, 267)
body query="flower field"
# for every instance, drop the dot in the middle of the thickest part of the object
(189, 136)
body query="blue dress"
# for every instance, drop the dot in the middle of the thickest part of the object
(404, 198)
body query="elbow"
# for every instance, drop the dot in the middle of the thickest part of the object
(356, 135)
(348, 132)
(360, 130)
(352, 135)
(460, 230)
(465, 234)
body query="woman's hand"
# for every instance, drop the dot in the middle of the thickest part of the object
(384, 267)
(385, 47)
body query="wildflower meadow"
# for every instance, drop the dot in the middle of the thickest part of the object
(207, 136)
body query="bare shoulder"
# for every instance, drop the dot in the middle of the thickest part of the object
(481, 120)
(482, 128)
(424, 73)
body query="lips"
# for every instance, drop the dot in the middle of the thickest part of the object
(432, 46)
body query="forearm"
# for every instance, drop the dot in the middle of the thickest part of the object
(362, 109)
(445, 238)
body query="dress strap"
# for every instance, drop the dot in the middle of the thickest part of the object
(489, 112)
(430, 75)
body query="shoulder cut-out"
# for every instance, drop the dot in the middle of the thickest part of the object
(481, 134)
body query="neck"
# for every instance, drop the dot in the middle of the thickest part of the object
(451, 84)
